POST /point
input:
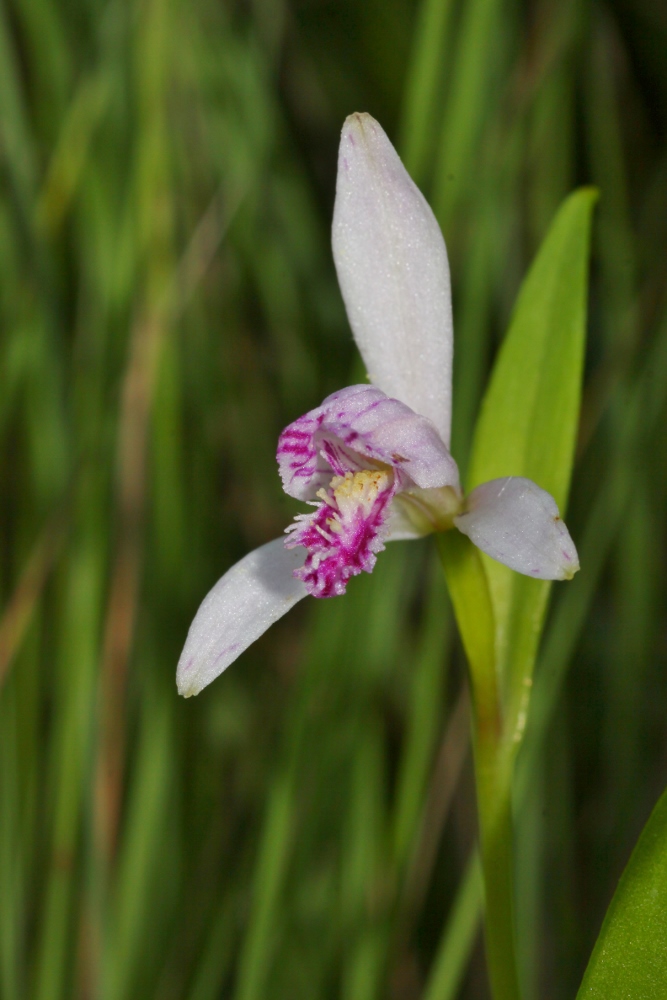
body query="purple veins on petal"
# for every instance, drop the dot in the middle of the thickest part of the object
(357, 428)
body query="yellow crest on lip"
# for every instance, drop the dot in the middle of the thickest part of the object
(352, 491)
(359, 487)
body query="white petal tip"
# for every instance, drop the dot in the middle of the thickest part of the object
(393, 273)
(357, 120)
(569, 559)
(202, 660)
(250, 597)
(186, 692)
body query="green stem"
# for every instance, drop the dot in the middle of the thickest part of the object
(468, 588)
(496, 835)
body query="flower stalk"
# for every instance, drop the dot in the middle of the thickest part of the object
(493, 755)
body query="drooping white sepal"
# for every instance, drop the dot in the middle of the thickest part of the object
(516, 522)
(393, 272)
(250, 597)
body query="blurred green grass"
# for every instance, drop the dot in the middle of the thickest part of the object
(168, 303)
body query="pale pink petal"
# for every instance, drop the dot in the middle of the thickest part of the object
(250, 597)
(393, 272)
(516, 522)
(359, 428)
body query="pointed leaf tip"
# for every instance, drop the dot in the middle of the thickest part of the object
(629, 961)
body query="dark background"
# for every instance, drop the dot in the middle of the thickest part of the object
(168, 303)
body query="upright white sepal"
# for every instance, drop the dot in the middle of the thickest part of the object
(516, 522)
(250, 597)
(393, 272)
(373, 461)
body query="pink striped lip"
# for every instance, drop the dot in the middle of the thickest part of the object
(345, 533)
(349, 457)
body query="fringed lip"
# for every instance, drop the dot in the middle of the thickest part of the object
(345, 533)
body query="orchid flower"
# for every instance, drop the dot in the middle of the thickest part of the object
(373, 460)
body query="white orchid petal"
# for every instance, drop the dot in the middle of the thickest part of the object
(250, 597)
(393, 272)
(516, 522)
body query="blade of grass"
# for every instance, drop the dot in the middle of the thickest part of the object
(259, 942)
(12, 858)
(478, 52)
(426, 707)
(458, 936)
(424, 83)
(133, 917)
(69, 755)
(18, 613)
(363, 896)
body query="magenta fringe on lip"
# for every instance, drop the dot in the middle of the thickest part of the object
(353, 454)
(342, 540)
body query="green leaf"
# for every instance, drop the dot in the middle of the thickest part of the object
(469, 591)
(528, 423)
(629, 961)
